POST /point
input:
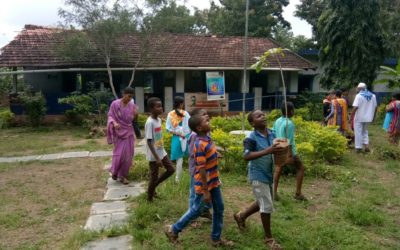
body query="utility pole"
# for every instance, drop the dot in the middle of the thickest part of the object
(246, 33)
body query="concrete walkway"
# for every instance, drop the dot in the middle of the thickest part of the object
(139, 149)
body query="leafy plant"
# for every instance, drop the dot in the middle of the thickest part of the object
(35, 107)
(391, 76)
(6, 117)
(229, 123)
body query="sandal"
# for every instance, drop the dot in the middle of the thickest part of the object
(300, 197)
(123, 180)
(239, 220)
(272, 244)
(172, 237)
(114, 177)
(222, 243)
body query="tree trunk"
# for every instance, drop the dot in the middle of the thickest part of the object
(133, 74)
(111, 78)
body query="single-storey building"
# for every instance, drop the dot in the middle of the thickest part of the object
(175, 64)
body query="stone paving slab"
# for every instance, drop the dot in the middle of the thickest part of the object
(100, 154)
(122, 193)
(100, 222)
(75, 154)
(140, 151)
(116, 184)
(114, 243)
(108, 207)
(51, 157)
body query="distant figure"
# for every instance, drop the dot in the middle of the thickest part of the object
(389, 114)
(120, 133)
(394, 128)
(364, 109)
(327, 106)
(338, 115)
(135, 123)
(177, 124)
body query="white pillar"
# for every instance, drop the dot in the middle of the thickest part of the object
(294, 82)
(257, 98)
(180, 81)
(139, 98)
(168, 98)
(246, 88)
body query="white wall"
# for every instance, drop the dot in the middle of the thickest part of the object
(180, 81)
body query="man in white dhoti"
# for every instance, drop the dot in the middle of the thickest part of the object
(364, 109)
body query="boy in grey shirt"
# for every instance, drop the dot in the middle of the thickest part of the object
(155, 152)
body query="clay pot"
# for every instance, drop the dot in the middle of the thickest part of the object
(281, 156)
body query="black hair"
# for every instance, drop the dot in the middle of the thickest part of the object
(397, 96)
(194, 122)
(250, 117)
(290, 108)
(151, 101)
(197, 111)
(129, 90)
(178, 101)
(338, 93)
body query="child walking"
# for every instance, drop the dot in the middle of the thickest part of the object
(279, 129)
(155, 152)
(258, 150)
(207, 184)
(192, 138)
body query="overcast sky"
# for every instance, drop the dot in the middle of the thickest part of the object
(16, 13)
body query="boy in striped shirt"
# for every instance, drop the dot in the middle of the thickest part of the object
(207, 184)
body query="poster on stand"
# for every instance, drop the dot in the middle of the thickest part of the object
(199, 100)
(215, 85)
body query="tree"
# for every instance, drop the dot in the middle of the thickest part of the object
(168, 16)
(351, 42)
(284, 36)
(310, 11)
(102, 27)
(390, 25)
(390, 76)
(229, 18)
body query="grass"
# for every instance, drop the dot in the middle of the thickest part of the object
(23, 141)
(353, 204)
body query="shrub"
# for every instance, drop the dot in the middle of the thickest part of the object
(273, 116)
(317, 142)
(232, 151)
(34, 107)
(142, 118)
(380, 113)
(88, 109)
(229, 123)
(6, 117)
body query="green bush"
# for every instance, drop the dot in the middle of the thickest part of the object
(6, 117)
(380, 114)
(273, 116)
(316, 142)
(88, 109)
(232, 151)
(35, 107)
(142, 118)
(229, 123)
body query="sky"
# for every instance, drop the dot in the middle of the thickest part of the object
(16, 13)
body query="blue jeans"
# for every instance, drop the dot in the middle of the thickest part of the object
(192, 195)
(195, 211)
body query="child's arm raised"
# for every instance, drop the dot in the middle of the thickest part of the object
(251, 154)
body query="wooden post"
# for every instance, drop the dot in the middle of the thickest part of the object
(14, 81)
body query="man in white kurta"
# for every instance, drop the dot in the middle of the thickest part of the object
(364, 109)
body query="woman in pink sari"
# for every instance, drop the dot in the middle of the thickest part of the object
(120, 133)
(394, 127)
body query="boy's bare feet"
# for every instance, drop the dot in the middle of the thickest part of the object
(239, 220)
(222, 243)
(272, 244)
(300, 197)
(172, 237)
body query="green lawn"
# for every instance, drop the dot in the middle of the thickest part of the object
(45, 140)
(354, 204)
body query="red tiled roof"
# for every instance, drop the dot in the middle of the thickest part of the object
(35, 47)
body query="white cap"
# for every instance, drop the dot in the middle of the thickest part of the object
(362, 85)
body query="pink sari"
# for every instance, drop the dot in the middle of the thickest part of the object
(122, 138)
